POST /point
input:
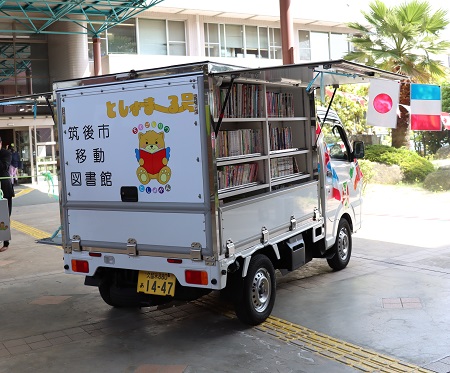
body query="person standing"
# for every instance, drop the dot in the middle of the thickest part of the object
(5, 183)
(13, 168)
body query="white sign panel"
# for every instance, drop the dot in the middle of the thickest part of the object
(142, 136)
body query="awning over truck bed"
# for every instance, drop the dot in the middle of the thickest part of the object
(315, 74)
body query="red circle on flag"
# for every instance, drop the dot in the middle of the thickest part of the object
(382, 103)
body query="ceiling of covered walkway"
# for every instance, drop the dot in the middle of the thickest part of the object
(92, 16)
(39, 17)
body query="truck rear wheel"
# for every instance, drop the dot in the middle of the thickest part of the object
(104, 289)
(342, 248)
(258, 293)
(120, 297)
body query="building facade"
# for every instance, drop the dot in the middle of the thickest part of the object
(166, 34)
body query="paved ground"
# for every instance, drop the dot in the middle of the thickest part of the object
(388, 311)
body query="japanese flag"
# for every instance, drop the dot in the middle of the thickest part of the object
(383, 103)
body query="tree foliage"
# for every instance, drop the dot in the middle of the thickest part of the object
(405, 39)
(347, 105)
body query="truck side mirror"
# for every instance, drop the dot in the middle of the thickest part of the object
(358, 149)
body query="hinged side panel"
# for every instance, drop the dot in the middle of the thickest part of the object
(244, 220)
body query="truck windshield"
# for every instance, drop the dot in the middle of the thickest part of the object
(336, 145)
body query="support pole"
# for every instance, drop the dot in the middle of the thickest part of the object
(96, 42)
(287, 32)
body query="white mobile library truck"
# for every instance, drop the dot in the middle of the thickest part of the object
(181, 180)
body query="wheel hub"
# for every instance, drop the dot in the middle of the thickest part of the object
(261, 290)
(343, 244)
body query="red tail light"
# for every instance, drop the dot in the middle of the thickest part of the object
(97, 255)
(80, 266)
(196, 277)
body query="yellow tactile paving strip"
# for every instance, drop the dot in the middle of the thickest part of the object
(347, 353)
(33, 232)
(343, 352)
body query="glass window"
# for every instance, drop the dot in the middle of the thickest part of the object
(304, 45)
(339, 46)
(43, 135)
(177, 38)
(275, 43)
(336, 143)
(212, 45)
(122, 38)
(239, 41)
(234, 41)
(161, 37)
(223, 52)
(319, 46)
(251, 41)
(24, 70)
(263, 42)
(176, 31)
(152, 36)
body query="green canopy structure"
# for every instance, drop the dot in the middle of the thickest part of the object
(39, 17)
(93, 16)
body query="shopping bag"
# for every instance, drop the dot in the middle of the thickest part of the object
(5, 230)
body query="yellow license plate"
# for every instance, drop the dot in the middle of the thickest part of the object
(156, 283)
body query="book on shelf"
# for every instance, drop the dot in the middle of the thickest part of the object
(235, 175)
(245, 101)
(238, 142)
(280, 138)
(283, 167)
(280, 104)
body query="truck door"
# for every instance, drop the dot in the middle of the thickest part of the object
(343, 181)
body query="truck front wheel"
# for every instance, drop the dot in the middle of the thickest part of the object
(258, 293)
(342, 248)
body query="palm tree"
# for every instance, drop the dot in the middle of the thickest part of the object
(402, 39)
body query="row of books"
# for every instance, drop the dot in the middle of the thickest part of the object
(238, 142)
(283, 166)
(280, 138)
(235, 175)
(280, 105)
(247, 101)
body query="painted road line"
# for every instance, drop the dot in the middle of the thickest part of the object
(357, 357)
(33, 232)
(22, 192)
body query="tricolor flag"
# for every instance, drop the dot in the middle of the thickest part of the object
(383, 103)
(426, 107)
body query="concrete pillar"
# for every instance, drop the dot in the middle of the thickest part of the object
(287, 32)
(67, 53)
(97, 47)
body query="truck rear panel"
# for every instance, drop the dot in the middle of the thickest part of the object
(133, 166)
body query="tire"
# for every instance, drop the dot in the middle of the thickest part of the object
(258, 292)
(342, 248)
(119, 297)
(104, 289)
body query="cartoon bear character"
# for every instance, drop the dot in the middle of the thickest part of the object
(3, 226)
(153, 157)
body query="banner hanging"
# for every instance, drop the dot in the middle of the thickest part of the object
(383, 103)
(426, 107)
